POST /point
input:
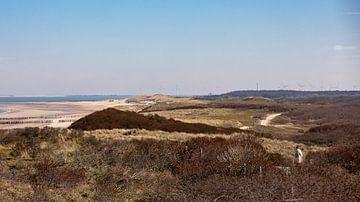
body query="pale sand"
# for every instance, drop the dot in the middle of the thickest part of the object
(268, 119)
(54, 114)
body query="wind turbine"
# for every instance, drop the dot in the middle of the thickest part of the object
(301, 87)
(283, 86)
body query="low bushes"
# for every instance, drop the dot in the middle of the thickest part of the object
(55, 174)
(112, 118)
(246, 161)
(198, 169)
(331, 134)
(348, 157)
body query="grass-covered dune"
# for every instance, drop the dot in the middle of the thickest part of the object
(113, 165)
(112, 119)
(203, 155)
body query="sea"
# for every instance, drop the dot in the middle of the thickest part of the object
(3, 111)
(72, 98)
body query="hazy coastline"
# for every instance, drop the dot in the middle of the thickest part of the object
(4, 111)
(72, 98)
(54, 114)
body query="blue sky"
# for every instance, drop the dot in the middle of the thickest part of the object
(177, 46)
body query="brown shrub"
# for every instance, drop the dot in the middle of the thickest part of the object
(206, 157)
(246, 160)
(55, 174)
(338, 110)
(331, 134)
(112, 118)
(347, 157)
(200, 169)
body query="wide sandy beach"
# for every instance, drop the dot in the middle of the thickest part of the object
(54, 114)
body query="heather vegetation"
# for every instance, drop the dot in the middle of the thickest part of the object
(114, 155)
(227, 103)
(287, 94)
(336, 120)
(112, 118)
(54, 164)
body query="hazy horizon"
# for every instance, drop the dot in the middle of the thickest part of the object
(58, 48)
(86, 95)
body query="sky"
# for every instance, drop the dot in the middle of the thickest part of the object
(177, 47)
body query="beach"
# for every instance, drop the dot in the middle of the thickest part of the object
(53, 114)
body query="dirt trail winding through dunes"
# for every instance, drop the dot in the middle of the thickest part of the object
(268, 119)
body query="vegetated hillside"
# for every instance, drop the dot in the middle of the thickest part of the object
(249, 103)
(160, 98)
(281, 94)
(112, 118)
(337, 120)
(336, 110)
(328, 100)
(228, 102)
(67, 165)
(331, 134)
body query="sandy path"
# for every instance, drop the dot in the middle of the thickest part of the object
(268, 119)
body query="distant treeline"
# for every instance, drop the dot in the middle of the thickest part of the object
(281, 94)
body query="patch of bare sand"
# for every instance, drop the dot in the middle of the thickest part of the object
(54, 114)
(268, 119)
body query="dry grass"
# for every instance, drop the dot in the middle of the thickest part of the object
(286, 148)
(5, 151)
(280, 132)
(220, 117)
(137, 134)
(12, 190)
(158, 98)
(140, 165)
(282, 147)
(132, 108)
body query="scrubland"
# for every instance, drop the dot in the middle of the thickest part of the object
(140, 157)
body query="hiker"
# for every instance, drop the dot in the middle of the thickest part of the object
(298, 154)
